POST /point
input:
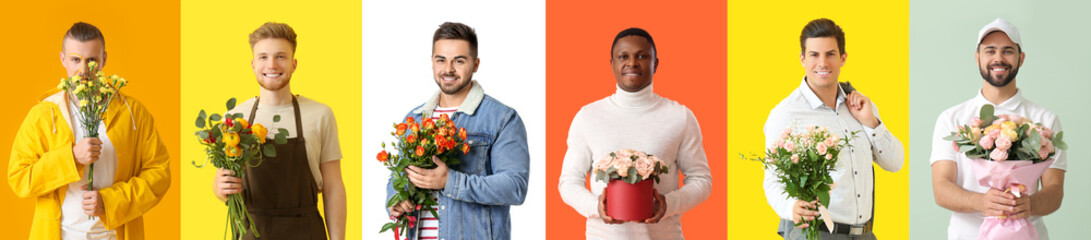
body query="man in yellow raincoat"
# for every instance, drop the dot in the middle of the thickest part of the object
(50, 155)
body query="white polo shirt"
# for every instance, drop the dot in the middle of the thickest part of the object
(965, 225)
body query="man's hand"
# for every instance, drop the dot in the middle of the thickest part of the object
(226, 184)
(804, 211)
(860, 107)
(996, 203)
(400, 208)
(435, 178)
(602, 211)
(1021, 208)
(660, 207)
(92, 202)
(87, 150)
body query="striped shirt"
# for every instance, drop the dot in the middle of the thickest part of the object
(429, 224)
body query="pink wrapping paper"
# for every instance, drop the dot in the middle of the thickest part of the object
(1003, 176)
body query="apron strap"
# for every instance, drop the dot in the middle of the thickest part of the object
(295, 109)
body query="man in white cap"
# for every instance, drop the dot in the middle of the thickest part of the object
(999, 56)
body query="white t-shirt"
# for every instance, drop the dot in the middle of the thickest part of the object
(74, 223)
(965, 225)
(319, 128)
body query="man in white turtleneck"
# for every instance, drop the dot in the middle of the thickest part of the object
(634, 117)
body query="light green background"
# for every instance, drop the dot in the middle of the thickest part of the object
(1057, 42)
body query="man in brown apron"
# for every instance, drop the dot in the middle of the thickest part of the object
(281, 193)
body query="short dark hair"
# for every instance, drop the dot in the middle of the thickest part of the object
(83, 32)
(456, 31)
(273, 30)
(634, 32)
(822, 27)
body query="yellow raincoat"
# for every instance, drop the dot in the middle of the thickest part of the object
(42, 165)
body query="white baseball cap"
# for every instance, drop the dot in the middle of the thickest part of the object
(1003, 26)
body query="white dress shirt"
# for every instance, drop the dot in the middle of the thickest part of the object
(642, 121)
(965, 225)
(74, 223)
(851, 200)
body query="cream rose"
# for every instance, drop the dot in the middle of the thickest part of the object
(622, 166)
(644, 167)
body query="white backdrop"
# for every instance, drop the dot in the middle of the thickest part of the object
(397, 76)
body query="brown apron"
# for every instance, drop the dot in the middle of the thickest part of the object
(281, 194)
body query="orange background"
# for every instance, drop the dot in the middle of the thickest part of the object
(142, 44)
(690, 42)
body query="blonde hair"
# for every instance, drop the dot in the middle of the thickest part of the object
(273, 30)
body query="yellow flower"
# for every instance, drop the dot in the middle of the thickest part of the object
(232, 151)
(1007, 125)
(83, 102)
(1010, 133)
(92, 65)
(79, 89)
(60, 86)
(242, 123)
(231, 139)
(260, 132)
(98, 99)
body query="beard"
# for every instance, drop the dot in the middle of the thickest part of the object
(452, 89)
(275, 86)
(999, 80)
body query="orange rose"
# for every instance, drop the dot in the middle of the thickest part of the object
(440, 145)
(428, 124)
(382, 156)
(441, 132)
(401, 129)
(242, 123)
(465, 148)
(411, 139)
(260, 132)
(409, 120)
(444, 118)
(450, 124)
(414, 127)
(231, 139)
(420, 151)
(450, 143)
(462, 133)
(232, 151)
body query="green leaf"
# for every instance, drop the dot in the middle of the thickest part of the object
(824, 198)
(276, 118)
(387, 226)
(231, 104)
(987, 111)
(214, 117)
(201, 120)
(803, 181)
(966, 148)
(269, 150)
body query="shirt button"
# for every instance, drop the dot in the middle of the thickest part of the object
(854, 172)
(857, 195)
(441, 207)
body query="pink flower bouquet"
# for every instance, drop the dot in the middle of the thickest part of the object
(1009, 153)
(628, 190)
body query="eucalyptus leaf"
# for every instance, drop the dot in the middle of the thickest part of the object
(276, 118)
(214, 117)
(269, 150)
(231, 103)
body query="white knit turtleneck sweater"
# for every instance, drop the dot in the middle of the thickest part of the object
(642, 121)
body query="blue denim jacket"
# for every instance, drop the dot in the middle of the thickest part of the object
(480, 190)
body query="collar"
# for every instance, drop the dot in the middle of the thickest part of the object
(812, 98)
(642, 98)
(1010, 105)
(469, 105)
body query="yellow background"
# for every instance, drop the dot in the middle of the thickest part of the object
(142, 46)
(216, 66)
(764, 67)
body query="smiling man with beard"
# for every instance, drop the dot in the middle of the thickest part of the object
(635, 117)
(476, 195)
(281, 193)
(999, 55)
(821, 101)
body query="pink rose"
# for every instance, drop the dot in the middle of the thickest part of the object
(835, 138)
(779, 143)
(622, 165)
(998, 155)
(976, 122)
(604, 163)
(1046, 149)
(640, 154)
(821, 148)
(986, 142)
(644, 167)
(790, 146)
(998, 121)
(955, 145)
(1003, 143)
(795, 158)
(1046, 132)
(830, 142)
(1014, 118)
(994, 133)
(829, 156)
(625, 153)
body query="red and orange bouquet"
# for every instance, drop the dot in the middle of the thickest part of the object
(416, 143)
(232, 143)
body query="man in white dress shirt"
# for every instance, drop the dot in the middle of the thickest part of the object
(820, 101)
(999, 55)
